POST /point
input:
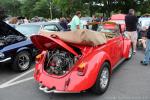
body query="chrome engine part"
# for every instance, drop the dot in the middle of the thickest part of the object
(58, 62)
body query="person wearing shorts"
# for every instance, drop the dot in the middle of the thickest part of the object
(131, 28)
(146, 59)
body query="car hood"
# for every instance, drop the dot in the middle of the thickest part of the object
(8, 30)
(43, 42)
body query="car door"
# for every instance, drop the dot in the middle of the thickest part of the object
(113, 50)
(119, 47)
(116, 46)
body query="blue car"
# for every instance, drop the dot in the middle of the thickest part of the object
(15, 48)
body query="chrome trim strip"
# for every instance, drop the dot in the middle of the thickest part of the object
(4, 60)
(121, 61)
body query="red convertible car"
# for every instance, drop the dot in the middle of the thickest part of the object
(69, 67)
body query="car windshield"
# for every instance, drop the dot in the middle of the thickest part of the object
(110, 30)
(28, 30)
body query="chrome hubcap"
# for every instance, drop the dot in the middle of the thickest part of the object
(104, 77)
(23, 61)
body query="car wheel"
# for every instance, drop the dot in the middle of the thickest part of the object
(22, 61)
(130, 53)
(103, 79)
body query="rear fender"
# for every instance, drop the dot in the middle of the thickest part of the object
(80, 83)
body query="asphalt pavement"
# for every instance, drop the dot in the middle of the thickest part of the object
(130, 81)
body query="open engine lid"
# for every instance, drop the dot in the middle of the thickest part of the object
(6, 29)
(47, 42)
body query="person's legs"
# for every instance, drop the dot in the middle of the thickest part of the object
(147, 53)
(144, 43)
(128, 35)
(134, 40)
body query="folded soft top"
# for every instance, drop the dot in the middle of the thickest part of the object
(80, 37)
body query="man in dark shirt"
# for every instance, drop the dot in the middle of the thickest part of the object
(146, 60)
(95, 26)
(131, 27)
(63, 23)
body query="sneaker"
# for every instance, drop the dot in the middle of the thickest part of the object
(143, 63)
(134, 52)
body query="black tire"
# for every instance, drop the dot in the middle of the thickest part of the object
(22, 61)
(98, 88)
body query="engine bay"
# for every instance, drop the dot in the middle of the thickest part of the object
(9, 35)
(59, 61)
(9, 39)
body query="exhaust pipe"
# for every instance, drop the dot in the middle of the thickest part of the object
(52, 90)
(46, 89)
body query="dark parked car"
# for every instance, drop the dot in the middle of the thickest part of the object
(33, 28)
(15, 48)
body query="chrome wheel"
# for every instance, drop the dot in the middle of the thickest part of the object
(23, 61)
(104, 78)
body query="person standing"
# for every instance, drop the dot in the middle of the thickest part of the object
(131, 28)
(95, 25)
(75, 22)
(26, 20)
(146, 60)
(63, 23)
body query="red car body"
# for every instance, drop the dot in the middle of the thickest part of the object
(91, 61)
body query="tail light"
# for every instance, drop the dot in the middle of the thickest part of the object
(38, 57)
(82, 68)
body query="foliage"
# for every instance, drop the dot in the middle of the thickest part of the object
(12, 7)
(31, 8)
(2, 13)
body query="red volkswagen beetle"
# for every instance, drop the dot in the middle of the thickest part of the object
(69, 67)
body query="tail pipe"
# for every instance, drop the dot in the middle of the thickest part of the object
(52, 90)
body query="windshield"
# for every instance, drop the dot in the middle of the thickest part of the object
(109, 30)
(28, 30)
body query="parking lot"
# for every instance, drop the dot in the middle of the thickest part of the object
(130, 81)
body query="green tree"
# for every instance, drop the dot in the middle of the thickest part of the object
(2, 13)
(12, 7)
(41, 8)
(27, 7)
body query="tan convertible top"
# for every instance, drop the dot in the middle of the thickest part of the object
(80, 37)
